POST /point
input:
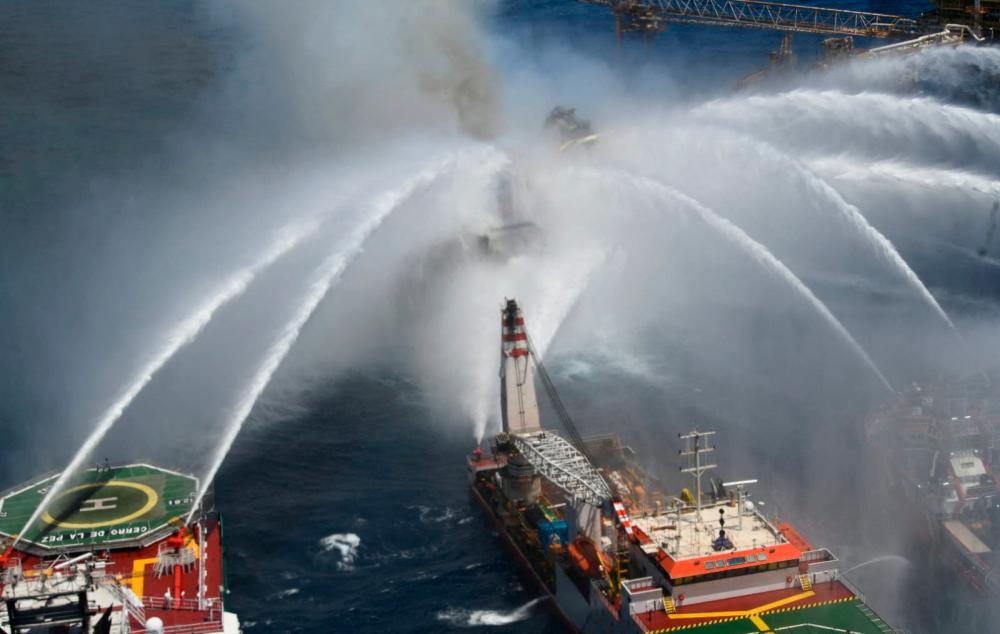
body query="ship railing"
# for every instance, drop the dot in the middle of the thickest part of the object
(188, 628)
(168, 557)
(210, 605)
(37, 582)
(817, 554)
(853, 588)
(13, 572)
(133, 606)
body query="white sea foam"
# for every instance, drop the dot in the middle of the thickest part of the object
(463, 617)
(345, 545)
(429, 515)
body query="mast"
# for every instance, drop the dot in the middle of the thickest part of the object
(694, 450)
(518, 401)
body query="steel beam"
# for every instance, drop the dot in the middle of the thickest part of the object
(650, 14)
(561, 463)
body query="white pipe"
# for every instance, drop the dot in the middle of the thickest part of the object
(70, 562)
(965, 27)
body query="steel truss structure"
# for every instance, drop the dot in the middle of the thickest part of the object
(652, 14)
(560, 462)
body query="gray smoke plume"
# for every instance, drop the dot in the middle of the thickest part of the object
(369, 70)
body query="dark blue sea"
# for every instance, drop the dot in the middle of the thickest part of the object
(344, 497)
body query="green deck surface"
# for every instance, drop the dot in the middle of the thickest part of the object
(99, 507)
(741, 626)
(846, 616)
(849, 616)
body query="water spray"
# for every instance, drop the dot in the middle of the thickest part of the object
(751, 247)
(562, 299)
(853, 216)
(183, 334)
(875, 560)
(324, 277)
(853, 168)
(889, 124)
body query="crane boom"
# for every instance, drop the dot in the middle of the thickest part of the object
(557, 404)
(565, 463)
(651, 15)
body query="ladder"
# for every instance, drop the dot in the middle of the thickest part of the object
(805, 582)
(668, 605)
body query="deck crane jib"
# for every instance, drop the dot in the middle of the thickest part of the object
(518, 403)
(532, 453)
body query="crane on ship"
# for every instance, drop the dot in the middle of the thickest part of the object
(565, 463)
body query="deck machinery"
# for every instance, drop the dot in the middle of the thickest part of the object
(612, 552)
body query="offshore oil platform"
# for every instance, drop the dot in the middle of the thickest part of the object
(942, 23)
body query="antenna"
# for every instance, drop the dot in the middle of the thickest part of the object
(695, 448)
(740, 494)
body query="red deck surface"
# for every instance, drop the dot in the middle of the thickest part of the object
(823, 593)
(134, 568)
(794, 537)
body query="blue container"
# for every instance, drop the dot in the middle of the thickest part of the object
(553, 533)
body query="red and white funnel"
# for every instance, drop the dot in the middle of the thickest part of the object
(518, 403)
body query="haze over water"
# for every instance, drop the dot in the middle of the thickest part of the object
(246, 238)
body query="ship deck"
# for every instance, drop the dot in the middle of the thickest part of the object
(129, 505)
(124, 523)
(690, 534)
(830, 605)
(135, 569)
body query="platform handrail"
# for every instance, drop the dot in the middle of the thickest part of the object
(188, 628)
(196, 605)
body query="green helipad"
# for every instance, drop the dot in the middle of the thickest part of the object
(853, 617)
(102, 507)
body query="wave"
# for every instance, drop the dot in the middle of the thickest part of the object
(429, 515)
(345, 545)
(463, 617)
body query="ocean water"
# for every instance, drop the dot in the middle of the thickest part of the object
(345, 505)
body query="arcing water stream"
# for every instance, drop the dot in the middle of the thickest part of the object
(859, 223)
(877, 560)
(180, 336)
(935, 179)
(788, 178)
(323, 278)
(876, 124)
(761, 255)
